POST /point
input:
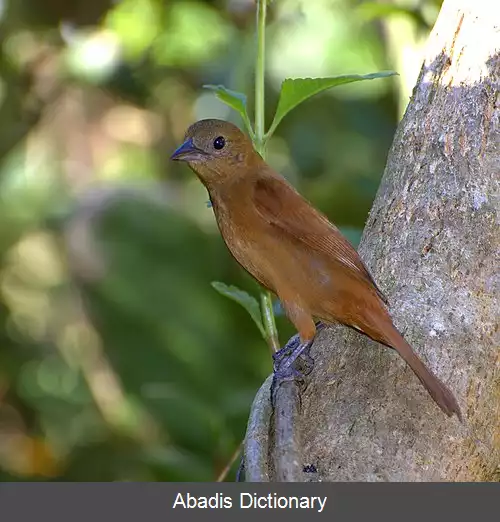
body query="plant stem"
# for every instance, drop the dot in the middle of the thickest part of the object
(259, 76)
(227, 468)
(266, 304)
(266, 301)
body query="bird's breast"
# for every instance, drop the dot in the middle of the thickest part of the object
(247, 241)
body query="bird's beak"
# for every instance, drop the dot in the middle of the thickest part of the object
(188, 152)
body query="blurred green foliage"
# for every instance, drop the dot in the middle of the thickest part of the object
(118, 360)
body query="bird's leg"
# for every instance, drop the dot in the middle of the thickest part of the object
(284, 369)
(287, 352)
(298, 346)
(289, 348)
(291, 351)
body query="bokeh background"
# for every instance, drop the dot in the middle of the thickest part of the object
(118, 360)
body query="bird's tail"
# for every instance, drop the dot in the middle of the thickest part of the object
(438, 390)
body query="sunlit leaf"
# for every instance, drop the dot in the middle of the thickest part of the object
(295, 91)
(235, 100)
(248, 302)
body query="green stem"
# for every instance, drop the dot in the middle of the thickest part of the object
(259, 76)
(266, 301)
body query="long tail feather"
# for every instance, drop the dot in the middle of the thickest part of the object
(441, 394)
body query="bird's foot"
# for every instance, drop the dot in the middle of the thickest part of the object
(284, 363)
(287, 350)
(290, 353)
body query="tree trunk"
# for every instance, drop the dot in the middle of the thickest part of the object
(432, 242)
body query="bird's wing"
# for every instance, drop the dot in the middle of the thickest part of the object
(281, 206)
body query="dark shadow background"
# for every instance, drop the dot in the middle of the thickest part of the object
(118, 360)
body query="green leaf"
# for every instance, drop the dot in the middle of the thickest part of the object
(295, 91)
(235, 100)
(249, 303)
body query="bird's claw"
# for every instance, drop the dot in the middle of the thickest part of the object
(293, 351)
(286, 351)
(284, 363)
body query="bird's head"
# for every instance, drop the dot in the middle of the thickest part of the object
(216, 150)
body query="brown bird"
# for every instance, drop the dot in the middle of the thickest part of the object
(291, 248)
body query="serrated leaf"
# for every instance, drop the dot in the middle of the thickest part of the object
(235, 100)
(249, 303)
(296, 90)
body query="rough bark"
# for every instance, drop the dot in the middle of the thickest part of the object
(432, 241)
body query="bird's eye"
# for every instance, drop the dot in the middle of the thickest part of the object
(219, 143)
